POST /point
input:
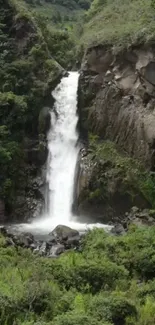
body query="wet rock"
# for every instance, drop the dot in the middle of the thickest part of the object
(36, 152)
(25, 240)
(44, 120)
(56, 250)
(43, 249)
(65, 73)
(33, 246)
(140, 217)
(36, 250)
(2, 211)
(29, 206)
(51, 241)
(118, 230)
(64, 232)
(3, 231)
(73, 242)
(10, 242)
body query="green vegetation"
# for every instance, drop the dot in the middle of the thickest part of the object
(69, 4)
(110, 282)
(64, 22)
(120, 23)
(61, 14)
(112, 167)
(27, 73)
(61, 44)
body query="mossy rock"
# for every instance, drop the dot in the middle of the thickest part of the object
(115, 183)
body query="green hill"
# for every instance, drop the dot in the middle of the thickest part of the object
(61, 13)
(119, 22)
(28, 71)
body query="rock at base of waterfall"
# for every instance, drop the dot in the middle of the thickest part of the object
(3, 231)
(64, 232)
(117, 230)
(73, 242)
(56, 250)
(43, 249)
(24, 240)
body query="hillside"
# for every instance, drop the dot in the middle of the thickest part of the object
(116, 106)
(119, 23)
(60, 14)
(27, 73)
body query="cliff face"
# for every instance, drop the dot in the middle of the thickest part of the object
(116, 103)
(27, 75)
(117, 94)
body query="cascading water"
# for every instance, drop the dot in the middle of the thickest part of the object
(63, 154)
(63, 151)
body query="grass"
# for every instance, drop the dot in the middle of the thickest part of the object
(121, 23)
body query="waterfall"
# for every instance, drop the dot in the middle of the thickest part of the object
(62, 159)
(63, 151)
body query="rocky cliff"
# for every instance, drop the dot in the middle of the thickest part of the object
(116, 103)
(118, 99)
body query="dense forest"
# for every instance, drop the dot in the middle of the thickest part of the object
(119, 23)
(26, 44)
(70, 4)
(110, 282)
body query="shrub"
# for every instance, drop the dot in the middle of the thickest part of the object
(114, 309)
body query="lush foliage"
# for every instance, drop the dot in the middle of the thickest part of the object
(61, 14)
(27, 73)
(70, 4)
(119, 22)
(110, 282)
(131, 175)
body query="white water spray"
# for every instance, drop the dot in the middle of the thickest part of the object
(63, 154)
(63, 151)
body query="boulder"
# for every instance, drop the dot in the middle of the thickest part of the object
(10, 242)
(43, 249)
(24, 240)
(64, 232)
(118, 229)
(36, 250)
(140, 217)
(73, 242)
(3, 231)
(33, 246)
(56, 250)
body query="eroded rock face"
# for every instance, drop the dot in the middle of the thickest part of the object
(117, 99)
(106, 191)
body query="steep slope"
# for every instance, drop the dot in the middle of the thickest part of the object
(27, 74)
(64, 20)
(59, 13)
(119, 23)
(117, 103)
